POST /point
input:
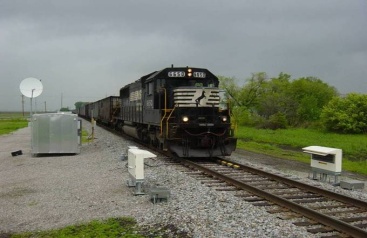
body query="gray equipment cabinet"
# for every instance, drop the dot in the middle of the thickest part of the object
(56, 133)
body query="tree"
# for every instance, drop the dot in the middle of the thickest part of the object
(295, 102)
(300, 100)
(346, 115)
(254, 89)
(275, 97)
(311, 95)
(243, 99)
(79, 104)
(229, 84)
(247, 95)
(65, 109)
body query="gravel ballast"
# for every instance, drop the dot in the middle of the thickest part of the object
(38, 193)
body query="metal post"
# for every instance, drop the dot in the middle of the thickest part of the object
(93, 122)
(31, 121)
(23, 104)
(31, 112)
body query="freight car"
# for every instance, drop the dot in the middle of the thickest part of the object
(104, 111)
(180, 110)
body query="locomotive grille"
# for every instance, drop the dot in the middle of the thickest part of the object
(196, 97)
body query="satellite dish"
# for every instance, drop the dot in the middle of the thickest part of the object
(31, 87)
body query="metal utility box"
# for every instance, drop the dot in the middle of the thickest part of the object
(56, 133)
(325, 158)
(325, 161)
(136, 167)
(136, 162)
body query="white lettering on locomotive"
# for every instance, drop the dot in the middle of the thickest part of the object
(176, 74)
(149, 103)
(135, 96)
(199, 75)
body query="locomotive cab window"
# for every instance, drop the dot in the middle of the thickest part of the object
(211, 84)
(150, 88)
(194, 83)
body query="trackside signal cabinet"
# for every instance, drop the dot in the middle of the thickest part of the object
(325, 161)
(136, 167)
(325, 158)
(56, 133)
(136, 162)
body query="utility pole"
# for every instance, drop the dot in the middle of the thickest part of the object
(61, 100)
(45, 107)
(35, 105)
(23, 104)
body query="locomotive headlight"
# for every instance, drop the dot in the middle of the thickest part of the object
(185, 118)
(224, 118)
(189, 72)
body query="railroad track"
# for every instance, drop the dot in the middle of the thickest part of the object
(320, 211)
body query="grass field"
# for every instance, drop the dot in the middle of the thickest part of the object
(12, 121)
(113, 227)
(288, 144)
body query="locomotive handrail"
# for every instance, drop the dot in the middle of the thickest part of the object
(165, 111)
(164, 117)
(168, 120)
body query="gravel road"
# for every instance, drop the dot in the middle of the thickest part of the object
(38, 193)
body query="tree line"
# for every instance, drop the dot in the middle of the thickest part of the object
(282, 102)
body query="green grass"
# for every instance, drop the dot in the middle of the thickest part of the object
(113, 227)
(288, 143)
(122, 227)
(11, 121)
(85, 136)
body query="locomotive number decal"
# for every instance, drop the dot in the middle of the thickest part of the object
(199, 75)
(176, 74)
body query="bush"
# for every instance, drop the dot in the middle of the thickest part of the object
(346, 115)
(277, 121)
(241, 116)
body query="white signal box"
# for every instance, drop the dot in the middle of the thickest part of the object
(136, 167)
(325, 160)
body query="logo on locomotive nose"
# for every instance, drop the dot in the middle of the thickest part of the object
(199, 98)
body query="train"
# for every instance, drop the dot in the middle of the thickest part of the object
(177, 109)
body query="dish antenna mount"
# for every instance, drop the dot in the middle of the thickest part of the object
(31, 88)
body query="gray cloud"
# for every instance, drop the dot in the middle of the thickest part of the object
(87, 50)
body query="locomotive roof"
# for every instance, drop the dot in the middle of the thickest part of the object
(163, 74)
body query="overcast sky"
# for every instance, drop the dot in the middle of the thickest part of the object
(87, 50)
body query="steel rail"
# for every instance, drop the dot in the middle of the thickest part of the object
(326, 193)
(321, 218)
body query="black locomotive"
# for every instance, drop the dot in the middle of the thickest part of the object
(180, 110)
